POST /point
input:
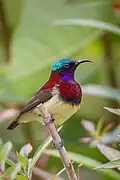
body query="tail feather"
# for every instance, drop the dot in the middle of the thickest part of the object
(14, 124)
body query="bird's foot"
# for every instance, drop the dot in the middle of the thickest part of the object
(53, 144)
(61, 144)
(52, 119)
(50, 122)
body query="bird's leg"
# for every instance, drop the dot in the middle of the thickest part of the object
(51, 121)
(61, 144)
(53, 144)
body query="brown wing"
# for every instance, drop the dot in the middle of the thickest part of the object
(40, 97)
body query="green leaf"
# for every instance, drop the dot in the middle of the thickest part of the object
(110, 153)
(25, 150)
(112, 110)
(111, 137)
(34, 47)
(8, 171)
(6, 149)
(99, 127)
(1, 143)
(89, 126)
(89, 23)
(20, 177)
(2, 156)
(109, 165)
(15, 171)
(7, 96)
(23, 156)
(87, 162)
(10, 162)
(101, 91)
(37, 155)
(23, 162)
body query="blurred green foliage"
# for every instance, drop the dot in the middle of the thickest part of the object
(32, 38)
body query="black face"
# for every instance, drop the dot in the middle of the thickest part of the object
(68, 68)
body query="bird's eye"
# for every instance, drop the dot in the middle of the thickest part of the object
(66, 65)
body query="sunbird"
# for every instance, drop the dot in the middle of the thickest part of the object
(60, 95)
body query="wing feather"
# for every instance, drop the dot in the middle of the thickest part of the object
(40, 97)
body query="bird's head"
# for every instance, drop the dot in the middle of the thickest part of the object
(66, 67)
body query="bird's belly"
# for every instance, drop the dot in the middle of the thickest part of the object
(60, 110)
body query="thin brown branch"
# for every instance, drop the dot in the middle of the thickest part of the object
(5, 34)
(57, 141)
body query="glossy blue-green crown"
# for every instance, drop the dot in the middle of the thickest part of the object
(58, 65)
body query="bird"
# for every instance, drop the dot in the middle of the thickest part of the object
(61, 95)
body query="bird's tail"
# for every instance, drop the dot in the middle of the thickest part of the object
(14, 124)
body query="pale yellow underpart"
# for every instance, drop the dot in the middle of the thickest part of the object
(60, 110)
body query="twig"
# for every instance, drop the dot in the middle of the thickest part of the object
(79, 171)
(44, 175)
(60, 172)
(57, 141)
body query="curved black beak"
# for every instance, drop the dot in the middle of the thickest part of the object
(78, 62)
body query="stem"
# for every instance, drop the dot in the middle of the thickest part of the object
(57, 140)
(109, 61)
(5, 32)
(79, 171)
(44, 175)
